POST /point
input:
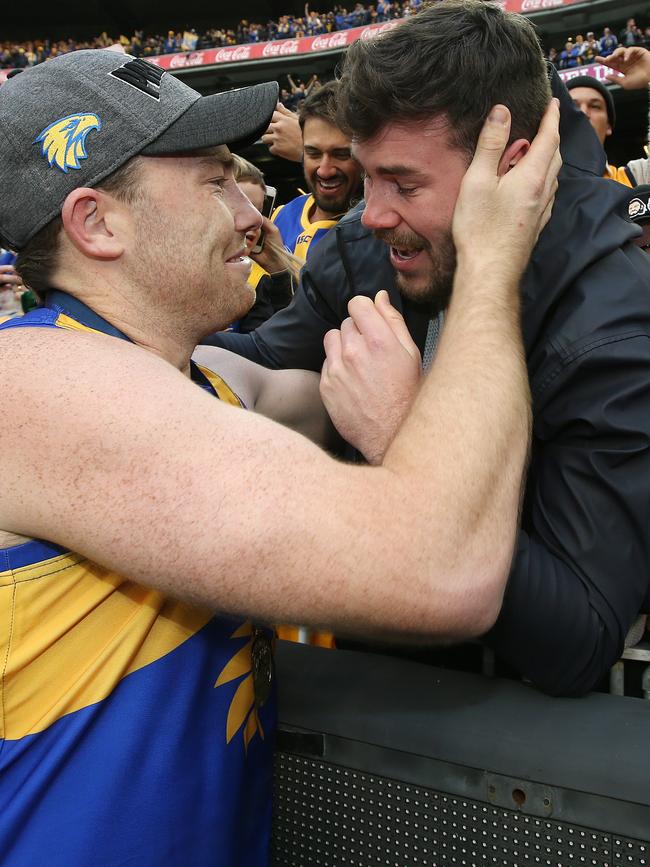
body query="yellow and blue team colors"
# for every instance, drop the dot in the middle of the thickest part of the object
(130, 731)
(298, 234)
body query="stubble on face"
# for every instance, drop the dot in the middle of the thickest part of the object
(432, 283)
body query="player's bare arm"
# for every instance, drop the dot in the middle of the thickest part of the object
(196, 498)
(290, 397)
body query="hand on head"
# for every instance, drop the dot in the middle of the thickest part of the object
(507, 211)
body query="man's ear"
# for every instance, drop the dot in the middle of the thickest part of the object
(89, 219)
(512, 154)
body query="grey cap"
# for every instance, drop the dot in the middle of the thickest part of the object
(74, 120)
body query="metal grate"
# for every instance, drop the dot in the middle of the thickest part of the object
(326, 815)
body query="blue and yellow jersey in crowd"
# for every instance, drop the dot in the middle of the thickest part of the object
(130, 731)
(298, 234)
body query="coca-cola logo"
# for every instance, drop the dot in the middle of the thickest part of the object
(375, 29)
(334, 40)
(237, 52)
(536, 5)
(181, 61)
(280, 48)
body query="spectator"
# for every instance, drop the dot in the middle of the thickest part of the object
(608, 43)
(633, 68)
(274, 270)
(591, 49)
(594, 99)
(630, 35)
(331, 174)
(569, 58)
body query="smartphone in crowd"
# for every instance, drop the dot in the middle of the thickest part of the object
(267, 210)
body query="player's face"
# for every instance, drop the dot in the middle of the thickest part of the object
(189, 237)
(413, 177)
(592, 103)
(331, 173)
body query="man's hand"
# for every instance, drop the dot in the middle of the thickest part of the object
(371, 375)
(268, 258)
(283, 137)
(507, 211)
(633, 63)
(9, 278)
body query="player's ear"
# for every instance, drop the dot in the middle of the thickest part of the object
(88, 220)
(512, 154)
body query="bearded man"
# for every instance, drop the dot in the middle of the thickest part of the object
(332, 175)
(413, 101)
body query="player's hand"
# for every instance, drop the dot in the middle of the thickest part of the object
(284, 137)
(371, 375)
(633, 63)
(499, 216)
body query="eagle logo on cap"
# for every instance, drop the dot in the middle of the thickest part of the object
(63, 143)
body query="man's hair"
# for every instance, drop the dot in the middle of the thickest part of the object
(321, 103)
(453, 60)
(38, 259)
(242, 170)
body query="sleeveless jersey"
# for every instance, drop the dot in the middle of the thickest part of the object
(298, 234)
(130, 731)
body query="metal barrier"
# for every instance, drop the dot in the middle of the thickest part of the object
(383, 761)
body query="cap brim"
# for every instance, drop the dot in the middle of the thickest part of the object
(235, 118)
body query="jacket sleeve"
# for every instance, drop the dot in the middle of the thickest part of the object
(293, 337)
(581, 571)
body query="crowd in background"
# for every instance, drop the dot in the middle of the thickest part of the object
(584, 49)
(140, 44)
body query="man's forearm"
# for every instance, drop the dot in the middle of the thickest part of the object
(477, 387)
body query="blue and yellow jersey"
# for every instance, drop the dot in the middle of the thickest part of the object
(129, 732)
(298, 234)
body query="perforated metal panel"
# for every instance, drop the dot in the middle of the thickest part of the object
(331, 816)
(632, 852)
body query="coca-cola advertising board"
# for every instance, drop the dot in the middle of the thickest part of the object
(278, 48)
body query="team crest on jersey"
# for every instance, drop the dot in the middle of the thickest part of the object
(63, 143)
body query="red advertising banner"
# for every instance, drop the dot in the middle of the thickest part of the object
(528, 7)
(264, 50)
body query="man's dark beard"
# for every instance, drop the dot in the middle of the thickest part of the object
(329, 205)
(441, 255)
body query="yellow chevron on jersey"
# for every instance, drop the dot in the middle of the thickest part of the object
(100, 628)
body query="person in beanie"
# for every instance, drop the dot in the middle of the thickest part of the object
(595, 100)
